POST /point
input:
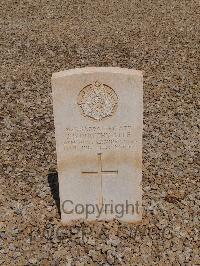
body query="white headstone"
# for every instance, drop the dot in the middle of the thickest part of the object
(98, 124)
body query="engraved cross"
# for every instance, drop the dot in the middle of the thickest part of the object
(100, 174)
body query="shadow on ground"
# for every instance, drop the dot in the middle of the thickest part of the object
(54, 185)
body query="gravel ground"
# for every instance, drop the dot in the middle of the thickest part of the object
(42, 37)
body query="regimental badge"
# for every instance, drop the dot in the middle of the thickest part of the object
(97, 101)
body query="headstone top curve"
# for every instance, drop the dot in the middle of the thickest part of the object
(88, 70)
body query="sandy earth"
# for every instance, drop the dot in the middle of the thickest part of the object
(42, 37)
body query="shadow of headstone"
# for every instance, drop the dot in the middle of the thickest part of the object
(54, 186)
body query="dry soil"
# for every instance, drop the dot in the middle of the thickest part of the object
(41, 37)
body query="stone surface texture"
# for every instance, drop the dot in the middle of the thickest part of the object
(39, 38)
(98, 123)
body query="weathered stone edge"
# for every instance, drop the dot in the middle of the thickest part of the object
(89, 70)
